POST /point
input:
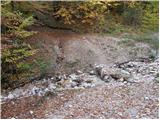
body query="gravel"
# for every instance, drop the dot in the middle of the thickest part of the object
(129, 90)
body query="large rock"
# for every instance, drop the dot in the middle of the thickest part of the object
(115, 73)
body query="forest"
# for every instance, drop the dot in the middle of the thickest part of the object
(44, 40)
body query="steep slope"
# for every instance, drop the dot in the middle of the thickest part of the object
(68, 51)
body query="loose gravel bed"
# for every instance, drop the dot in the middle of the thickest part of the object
(123, 101)
(124, 90)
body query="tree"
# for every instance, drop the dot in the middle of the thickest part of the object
(17, 51)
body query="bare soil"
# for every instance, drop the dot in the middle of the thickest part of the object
(67, 52)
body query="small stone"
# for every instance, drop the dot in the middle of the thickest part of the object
(125, 82)
(106, 78)
(69, 106)
(89, 81)
(63, 77)
(128, 83)
(93, 85)
(51, 86)
(73, 76)
(68, 85)
(12, 102)
(103, 112)
(41, 93)
(121, 79)
(83, 38)
(79, 80)
(10, 96)
(133, 112)
(31, 112)
(119, 113)
(46, 90)
(86, 85)
(73, 84)
(59, 77)
(79, 72)
(76, 87)
(34, 90)
(62, 97)
(92, 72)
(125, 73)
(52, 78)
(146, 98)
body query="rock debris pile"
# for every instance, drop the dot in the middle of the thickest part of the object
(133, 71)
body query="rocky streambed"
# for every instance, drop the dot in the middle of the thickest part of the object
(127, 73)
(124, 90)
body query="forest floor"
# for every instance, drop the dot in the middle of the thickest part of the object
(122, 83)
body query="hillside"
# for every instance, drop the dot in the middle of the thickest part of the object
(77, 59)
(76, 85)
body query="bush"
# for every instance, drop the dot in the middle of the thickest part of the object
(14, 60)
(132, 16)
(15, 56)
(42, 65)
(150, 20)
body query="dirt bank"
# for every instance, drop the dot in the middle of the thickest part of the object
(68, 51)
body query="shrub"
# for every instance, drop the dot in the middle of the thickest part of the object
(14, 58)
(42, 65)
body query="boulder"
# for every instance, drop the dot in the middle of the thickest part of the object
(115, 73)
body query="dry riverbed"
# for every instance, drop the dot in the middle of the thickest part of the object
(124, 90)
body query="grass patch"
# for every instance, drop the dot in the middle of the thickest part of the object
(151, 39)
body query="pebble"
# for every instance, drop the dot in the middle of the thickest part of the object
(69, 106)
(86, 85)
(92, 72)
(46, 90)
(133, 112)
(73, 76)
(79, 72)
(121, 79)
(125, 82)
(146, 98)
(31, 112)
(125, 72)
(51, 86)
(12, 102)
(83, 38)
(106, 78)
(73, 84)
(89, 81)
(128, 83)
(93, 85)
(79, 81)
(10, 96)
(101, 117)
